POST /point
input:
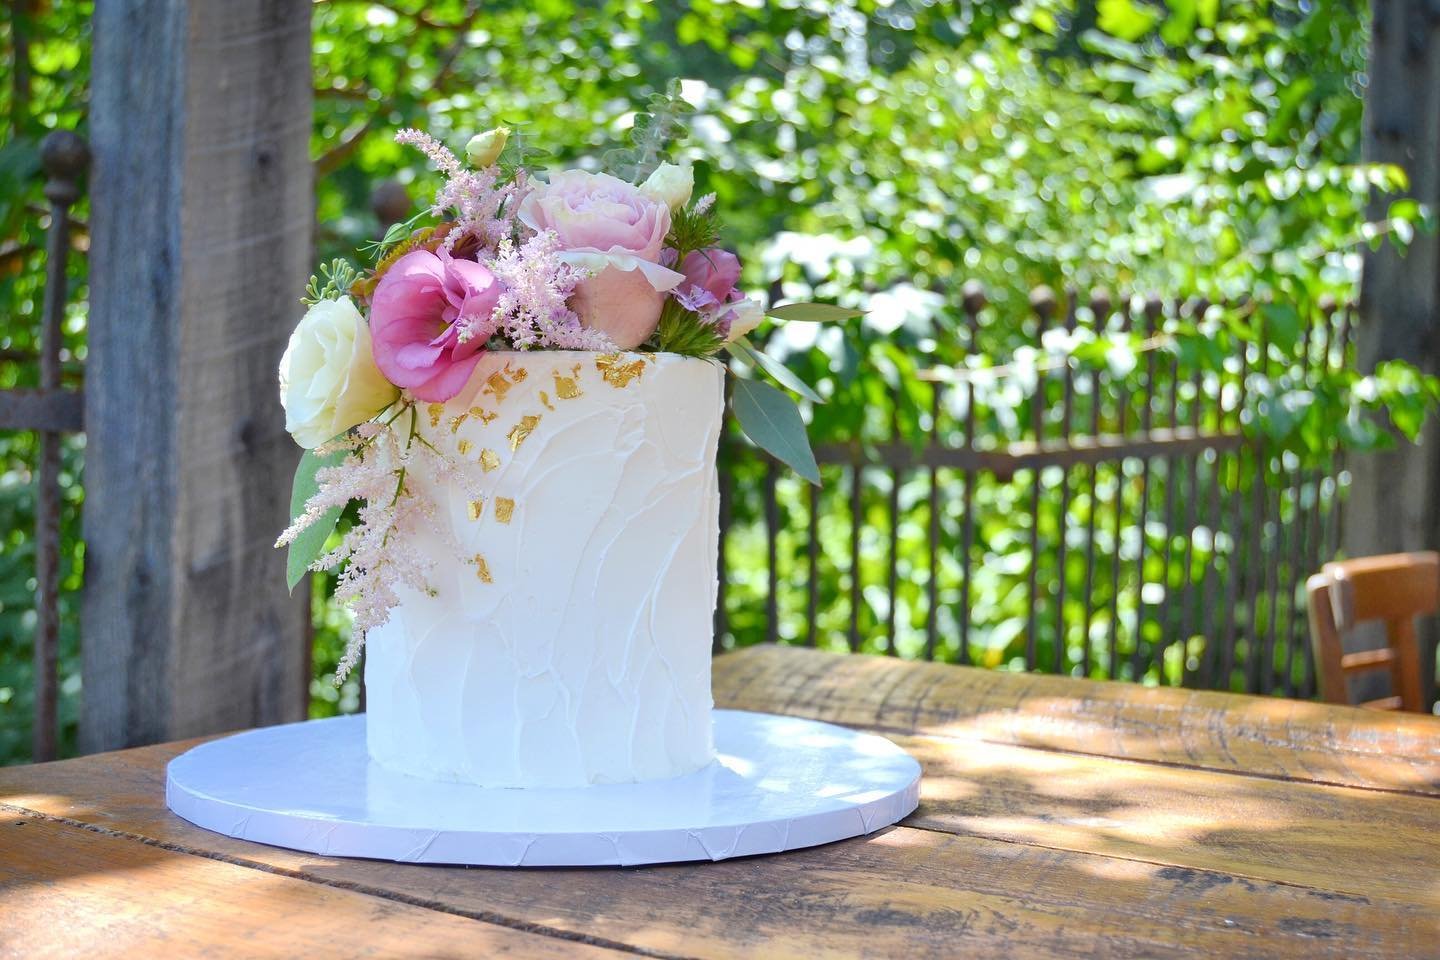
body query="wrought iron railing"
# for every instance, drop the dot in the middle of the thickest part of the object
(51, 410)
(1149, 535)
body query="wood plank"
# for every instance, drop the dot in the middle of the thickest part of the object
(1264, 736)
(1341, 839)
(202, 214)
(66, 891)
(903, 892)
(1362, 842)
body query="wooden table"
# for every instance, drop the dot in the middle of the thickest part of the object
(1059, 818)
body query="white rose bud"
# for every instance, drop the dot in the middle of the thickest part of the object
(670, 184)
(328, 378)
(484, 148)
(748, 315)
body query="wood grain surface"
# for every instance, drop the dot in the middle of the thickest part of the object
(69, 892)
(1015, 851)
(1261, 736)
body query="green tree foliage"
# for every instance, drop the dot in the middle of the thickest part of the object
(904, 147)
(43, 85)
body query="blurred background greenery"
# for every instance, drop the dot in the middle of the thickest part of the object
(874, 152)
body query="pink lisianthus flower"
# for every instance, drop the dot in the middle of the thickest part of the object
(429, 320)
(709, 286)
(713, 270)
(615, 233)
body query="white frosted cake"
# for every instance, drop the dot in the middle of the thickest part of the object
(515, 397)
(574, 647)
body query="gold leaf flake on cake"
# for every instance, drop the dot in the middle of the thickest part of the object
(484, 416)
(518, 374)
(476, 508)
(436, 411)
(504, 509)
(566, 388)
(482, 569)
(521, 430)
(456, 420)
(497, 384)
(489, 460)
(463, 446)
(545, 399)
(616, 372)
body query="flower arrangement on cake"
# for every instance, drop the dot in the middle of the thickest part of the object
(520, 394)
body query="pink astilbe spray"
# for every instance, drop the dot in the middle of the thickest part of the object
(481, 208)
(442, 156)
(533, 308)
(377, 552)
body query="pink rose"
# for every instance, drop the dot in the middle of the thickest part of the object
(429, 320)
(609, 228)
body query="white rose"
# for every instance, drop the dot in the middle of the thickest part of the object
(748, 315)
(328, 378)
(484, 148)
(670, 184)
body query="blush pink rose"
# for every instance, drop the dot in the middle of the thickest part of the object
(609, 228)
(429, 320)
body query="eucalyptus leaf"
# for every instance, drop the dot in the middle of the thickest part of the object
(311, 541)
(812, 312)
(770, 417)
(743, 349)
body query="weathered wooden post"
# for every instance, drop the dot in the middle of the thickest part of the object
(1394, 503)
(1395, 500)
(201, 238)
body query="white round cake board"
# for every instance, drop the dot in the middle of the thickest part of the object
(778, 783)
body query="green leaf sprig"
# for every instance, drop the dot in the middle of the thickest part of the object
(310, 543)
(769, 416)
(397, 232)
(334, 281)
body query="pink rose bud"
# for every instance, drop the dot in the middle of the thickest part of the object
(429, 319)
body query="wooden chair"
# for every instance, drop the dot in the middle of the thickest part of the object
(1394, 589)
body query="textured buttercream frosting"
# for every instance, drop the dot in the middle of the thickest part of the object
(573, 645)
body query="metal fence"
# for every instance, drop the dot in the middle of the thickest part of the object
(51, 410)
(1137, 530)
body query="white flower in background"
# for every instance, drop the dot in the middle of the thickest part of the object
(903, 305)
(328, 378)
(484, 148)
(670, 184)
(820, 254)
(747, 316)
